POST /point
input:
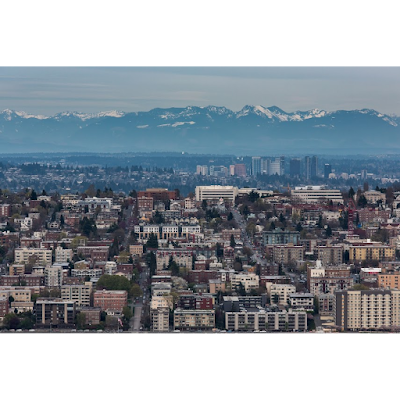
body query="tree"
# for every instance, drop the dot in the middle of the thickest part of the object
(87, 227)
(33, 195)
(135, 290)
(253, 196)
(80, 320)
(152, 242)
(245, 210)
(91, 190)
(62, 222)
(362, 201)
(230, 216)
(173, 267)
(233, 243)
(328, 231)
(113, 282)
(299, 228)
(272, 226)
(158, 218)
(204, 205)
(123, 257)
(11, 321)
(351, 193)
(127, 313)
(275, 298)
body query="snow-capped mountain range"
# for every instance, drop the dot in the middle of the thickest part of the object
(253, 129)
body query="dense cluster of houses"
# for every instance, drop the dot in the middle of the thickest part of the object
(220, 259)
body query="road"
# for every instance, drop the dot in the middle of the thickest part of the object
(246, 240)
(140, 303)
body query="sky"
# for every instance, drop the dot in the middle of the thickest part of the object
(49, 90)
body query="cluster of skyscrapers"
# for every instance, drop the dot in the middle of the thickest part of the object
(306, 168)
(261, 166)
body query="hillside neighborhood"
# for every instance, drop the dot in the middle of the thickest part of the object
(222, 259)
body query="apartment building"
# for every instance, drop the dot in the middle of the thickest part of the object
(329, 254)
(371, 251)
(389, 280)
(159, 318)
(285, 254)
(5, 210)
(53, 276)
(367, 309)
(92, 315)
(166, 232)
(367, 215)
(3, 307)
(184, 258)
(110, 300)
(136, 249)
(21, 296)
(261, 319)
(16, 269)
(25, 255)
(83, 273)
(96, 253)
(249, 281)
(93, 203)
(302, 301)
(54, 312)
(194, 320)
(280, 294)
(159, 194)
(279, 236)
(328, 279)
(189, 230)
(63, 255)
(80, 294)
(145, 203)
(196, 302)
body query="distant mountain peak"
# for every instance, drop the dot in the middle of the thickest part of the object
(207, 129)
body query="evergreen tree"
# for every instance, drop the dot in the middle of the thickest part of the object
(233, 243)
(152, 242)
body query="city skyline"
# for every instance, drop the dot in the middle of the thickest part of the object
(50, 90)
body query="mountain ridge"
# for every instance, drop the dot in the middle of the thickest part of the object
(202, 129)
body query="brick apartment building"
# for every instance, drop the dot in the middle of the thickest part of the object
(95, 253)
(112, 300)
(159, 194)
(5, 210)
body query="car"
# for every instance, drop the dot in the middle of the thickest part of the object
(31, 330)
(19, 330)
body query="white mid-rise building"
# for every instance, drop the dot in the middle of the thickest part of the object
(280, 293)
(216, 192)
(249, 281)
(53, 276)
(63, 255)
(313, 194)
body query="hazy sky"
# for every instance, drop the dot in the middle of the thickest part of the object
(46, 90)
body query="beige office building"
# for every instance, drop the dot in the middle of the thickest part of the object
(314, 194)
(216, 192)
